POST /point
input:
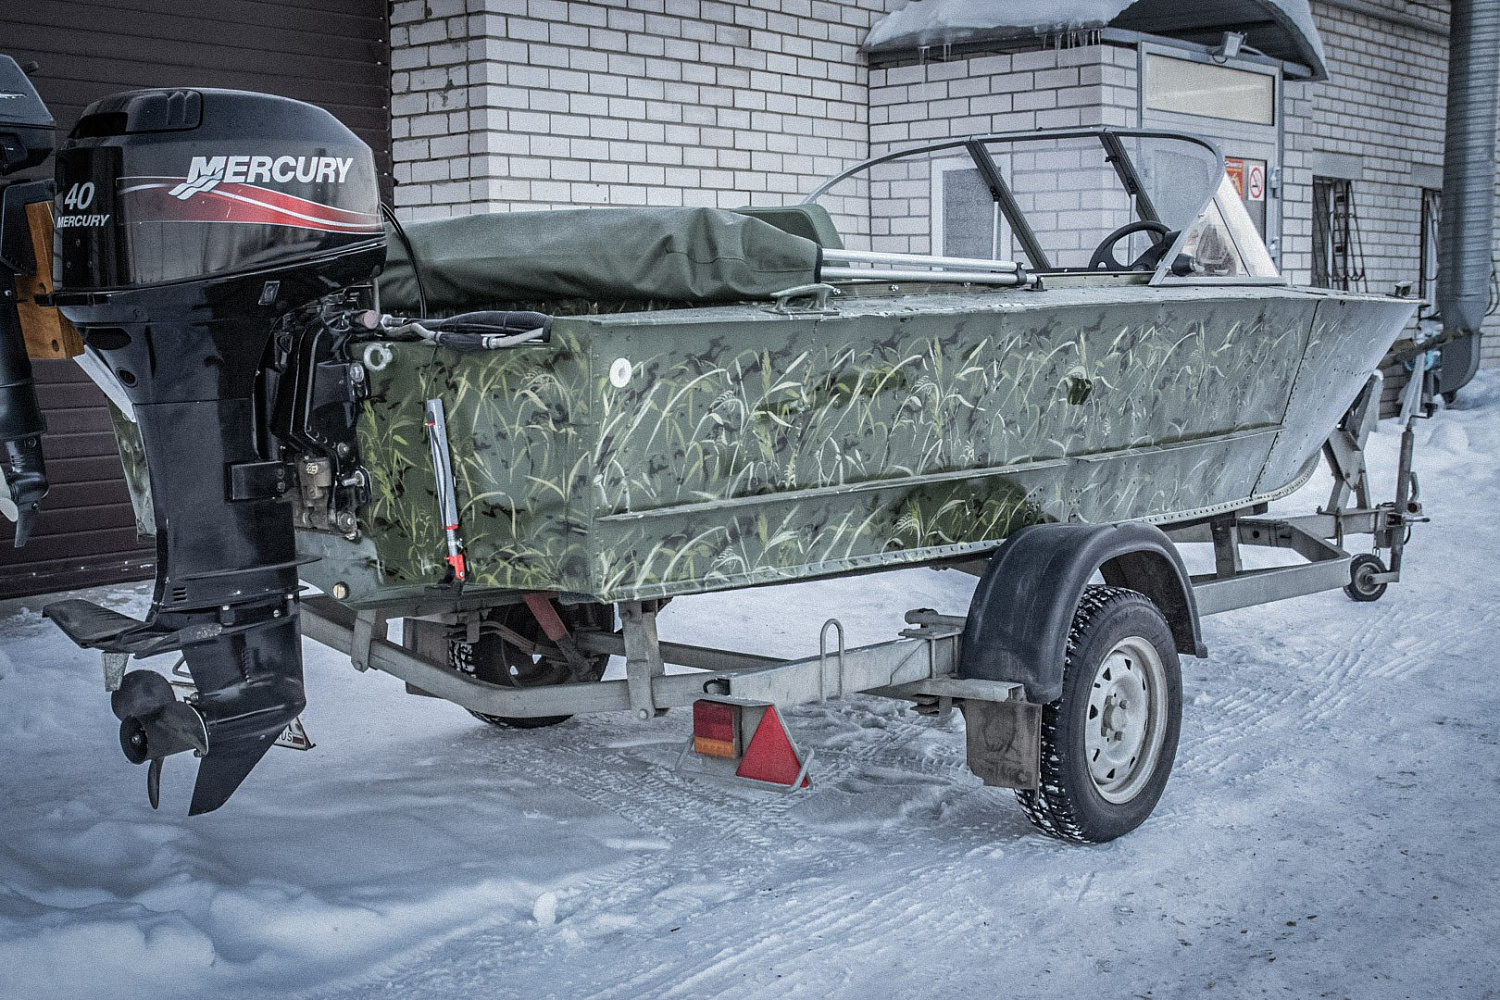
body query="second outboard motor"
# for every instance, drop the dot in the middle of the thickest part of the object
(190, 223)
(25, 141)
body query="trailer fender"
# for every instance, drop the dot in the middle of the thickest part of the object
(1017, 629)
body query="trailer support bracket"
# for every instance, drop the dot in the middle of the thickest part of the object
(643, 662)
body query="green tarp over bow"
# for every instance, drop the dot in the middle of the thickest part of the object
(675, 254)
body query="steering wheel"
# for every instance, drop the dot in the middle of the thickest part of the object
(1104, 255)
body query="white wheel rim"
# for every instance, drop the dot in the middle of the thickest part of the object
(1126, 720)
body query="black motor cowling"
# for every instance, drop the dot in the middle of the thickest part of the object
(189, 224)
(25, 123)
(160, 186)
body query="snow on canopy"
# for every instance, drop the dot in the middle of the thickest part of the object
(1283, 29)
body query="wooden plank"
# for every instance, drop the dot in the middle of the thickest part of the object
(47, 332)
(69, 395)
(88, 493)
(53, 372)
(81, 520)
(351, 19)
(69, 574)
(79, 545)
(100, 468)
(64, 422)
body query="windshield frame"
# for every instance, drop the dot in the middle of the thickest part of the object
(978, 148)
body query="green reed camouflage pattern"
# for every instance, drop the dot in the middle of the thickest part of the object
(133, 461)
(648, 454)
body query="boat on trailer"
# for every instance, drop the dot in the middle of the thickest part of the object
(535, 428)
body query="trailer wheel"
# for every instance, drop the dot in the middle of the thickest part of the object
(1361, 586)
(496, 661)
(1108, 743)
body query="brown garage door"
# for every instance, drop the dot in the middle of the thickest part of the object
(333, 53)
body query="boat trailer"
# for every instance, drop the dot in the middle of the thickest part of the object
(923, 664)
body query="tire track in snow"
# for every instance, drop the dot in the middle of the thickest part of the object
(812, 936)
(1347, 676)
(638, 785)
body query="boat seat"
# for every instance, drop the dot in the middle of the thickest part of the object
(808, 221)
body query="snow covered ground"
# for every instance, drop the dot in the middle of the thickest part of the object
(1329, 830)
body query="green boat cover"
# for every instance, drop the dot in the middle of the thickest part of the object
(694, 255)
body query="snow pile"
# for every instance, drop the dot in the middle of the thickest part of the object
(1326, 830)
(949, 22)
(1283, 29)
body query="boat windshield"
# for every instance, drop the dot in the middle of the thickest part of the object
(1087, 201)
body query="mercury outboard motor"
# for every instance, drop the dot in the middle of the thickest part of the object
(191, 225)
(25, 141)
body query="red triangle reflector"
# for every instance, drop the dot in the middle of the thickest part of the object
(770, 755)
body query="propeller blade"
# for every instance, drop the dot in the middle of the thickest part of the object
(141, 693)
(185, 725)
(25, 521)
(170, 729)
(153, 782)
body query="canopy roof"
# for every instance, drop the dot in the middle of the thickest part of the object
(1282, 29)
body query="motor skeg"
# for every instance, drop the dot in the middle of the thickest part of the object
(189, 224)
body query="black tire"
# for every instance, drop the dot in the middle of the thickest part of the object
(1360, 587)
(1073, 802)
(496, 661)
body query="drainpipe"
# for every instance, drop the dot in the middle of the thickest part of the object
(1466, 232)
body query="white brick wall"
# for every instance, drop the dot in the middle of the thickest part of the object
(1086, 86)
(1052, 88)
(503, 105)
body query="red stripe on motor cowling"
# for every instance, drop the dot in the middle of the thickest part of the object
(244, 203)
(290, 203)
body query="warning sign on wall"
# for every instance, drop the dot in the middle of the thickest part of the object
(1255, 183)
(1235, 168)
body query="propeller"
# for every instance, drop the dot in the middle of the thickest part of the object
(154, 725)
(249, 686)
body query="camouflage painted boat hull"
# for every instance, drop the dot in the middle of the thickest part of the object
(649, 454)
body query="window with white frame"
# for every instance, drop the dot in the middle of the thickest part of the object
(966, 219)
